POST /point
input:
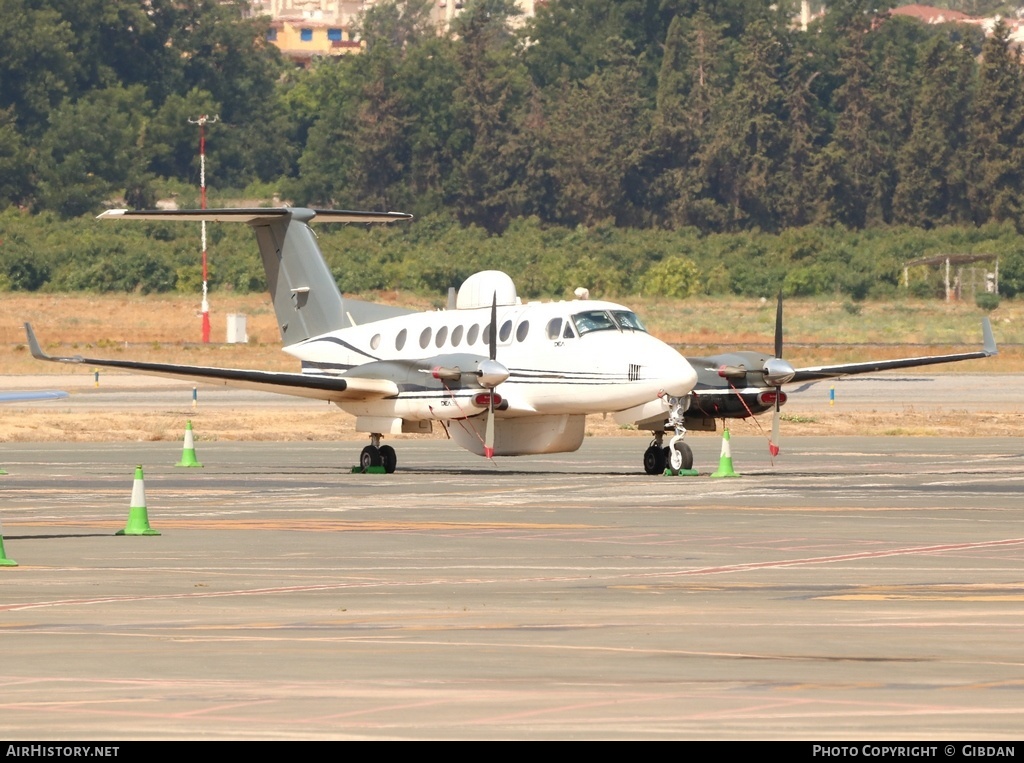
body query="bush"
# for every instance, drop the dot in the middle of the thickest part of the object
(986, 301)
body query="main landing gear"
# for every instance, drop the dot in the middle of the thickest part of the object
(376, 454)
(677, 455)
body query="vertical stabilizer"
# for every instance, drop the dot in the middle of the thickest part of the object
(306, 298)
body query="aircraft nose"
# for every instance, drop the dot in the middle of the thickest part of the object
(682, 376)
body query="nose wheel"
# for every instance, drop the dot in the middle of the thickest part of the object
(680, 455)
(655, 458)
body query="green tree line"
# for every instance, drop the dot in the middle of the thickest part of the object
(431, 254)
(669, 147)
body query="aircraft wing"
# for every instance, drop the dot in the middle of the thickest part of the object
(21, 397)
(334, 389)
(814, 373)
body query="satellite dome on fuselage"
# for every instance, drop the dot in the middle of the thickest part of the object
(481, 288)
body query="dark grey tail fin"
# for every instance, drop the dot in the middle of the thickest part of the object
(306, 299)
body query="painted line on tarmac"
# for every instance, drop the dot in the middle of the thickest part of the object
(946, 547)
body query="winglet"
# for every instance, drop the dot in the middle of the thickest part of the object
(37, 351)
(33, 344)
(990, 340)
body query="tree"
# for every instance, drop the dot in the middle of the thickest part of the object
(932, 164)
(748, 148)
(591, 136)
(93, 148)
(488, 183)
(36, 62)
(691, 92)
(854, 157)
(995, 150)
(14, 161)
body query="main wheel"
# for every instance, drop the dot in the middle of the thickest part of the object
(654, 460)
(369, 457)
(388, 458)
(682, 457)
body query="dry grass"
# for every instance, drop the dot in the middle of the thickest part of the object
(167, 328)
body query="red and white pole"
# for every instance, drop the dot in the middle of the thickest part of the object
(202, 122)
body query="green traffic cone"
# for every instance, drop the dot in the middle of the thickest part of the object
(4, 561)
(725, 462)
(188, 454)
(138, 516)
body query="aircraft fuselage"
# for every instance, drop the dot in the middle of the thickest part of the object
(568, 358)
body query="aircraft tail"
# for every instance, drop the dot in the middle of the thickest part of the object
(306, 298)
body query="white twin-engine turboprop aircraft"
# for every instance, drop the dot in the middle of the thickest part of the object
(504, 378)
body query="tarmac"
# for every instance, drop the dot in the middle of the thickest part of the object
(857, 588)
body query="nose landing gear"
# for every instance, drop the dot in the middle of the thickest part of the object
(677, 456)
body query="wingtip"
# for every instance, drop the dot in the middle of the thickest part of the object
(33, 343)
(989, 337)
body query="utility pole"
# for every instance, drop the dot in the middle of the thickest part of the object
(202, 122)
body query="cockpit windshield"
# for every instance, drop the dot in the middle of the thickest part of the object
(601, 320)
(628, 320)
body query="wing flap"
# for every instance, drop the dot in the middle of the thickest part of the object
(319, 387)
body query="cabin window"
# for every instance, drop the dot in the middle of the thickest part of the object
(400, 339)
(442, 334)
(473, 334)
(425, 338)
(485, 335)
(593, 320)
(506, 331)
(554, 328)
(522, 330)
(375, 342)
(456, 335)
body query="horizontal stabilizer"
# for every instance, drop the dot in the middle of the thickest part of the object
(252, 214)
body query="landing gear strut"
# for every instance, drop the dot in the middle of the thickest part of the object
(376, 454)
(677, 456)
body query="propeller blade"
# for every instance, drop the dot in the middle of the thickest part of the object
(492, 342)
(773, 443)
(489, 432)
(492, 338)
(781, 373)
(778, 327)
